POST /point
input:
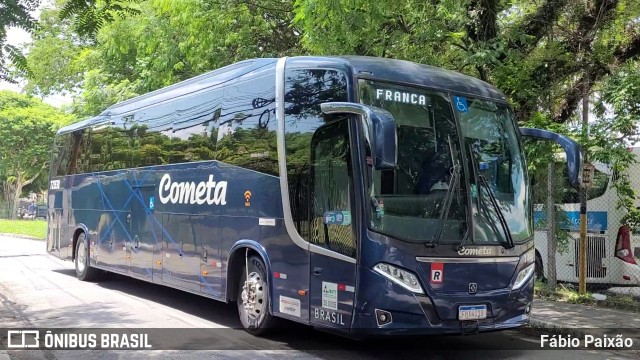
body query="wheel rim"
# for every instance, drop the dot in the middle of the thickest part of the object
(82, 258)
(253, 301)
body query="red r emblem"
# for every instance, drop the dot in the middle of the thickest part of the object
(437, 273)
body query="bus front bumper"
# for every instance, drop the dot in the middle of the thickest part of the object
(421, 314)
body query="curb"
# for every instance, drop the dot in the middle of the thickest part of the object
(552, 327)
(19, 236)
(536, 325)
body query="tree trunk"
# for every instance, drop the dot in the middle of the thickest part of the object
(17, 191)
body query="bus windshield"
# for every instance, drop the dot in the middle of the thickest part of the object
(421, 200)
(498, 175)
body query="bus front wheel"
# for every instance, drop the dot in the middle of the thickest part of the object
(83, 271)
(253, 298)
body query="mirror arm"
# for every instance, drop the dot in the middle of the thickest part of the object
(570, 147)
(338, 107)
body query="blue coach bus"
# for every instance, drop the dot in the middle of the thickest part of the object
(359, 195)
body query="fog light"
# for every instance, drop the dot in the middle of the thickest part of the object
(527, 310)
(383, 317)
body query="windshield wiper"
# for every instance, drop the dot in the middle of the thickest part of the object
(503, 222)
(454, 183)
(482, 181)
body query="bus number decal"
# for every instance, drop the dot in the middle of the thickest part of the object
(437, 273)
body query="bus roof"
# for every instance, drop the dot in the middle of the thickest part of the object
(379, 68)
(423, 75)
(197, 83)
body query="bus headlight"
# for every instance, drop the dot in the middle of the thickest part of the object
(523, 276)
(404, 278)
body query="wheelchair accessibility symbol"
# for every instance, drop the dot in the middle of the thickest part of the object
(460, 103)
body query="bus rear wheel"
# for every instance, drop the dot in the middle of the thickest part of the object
(83, 271)
(253, 298)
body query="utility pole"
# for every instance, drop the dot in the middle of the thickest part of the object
(551, 223)
(583, 189)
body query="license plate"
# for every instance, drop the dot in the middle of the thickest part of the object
(472, 312)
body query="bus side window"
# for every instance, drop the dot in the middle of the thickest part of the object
(76, 144)
(119, 146)
(305, 90)
(191, 135)
(100, 149)
(61, 155)
(247, 126)
(330, 184)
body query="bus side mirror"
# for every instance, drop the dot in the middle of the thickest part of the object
(380, 130)
(571, 149)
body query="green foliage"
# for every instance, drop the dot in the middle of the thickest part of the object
(14, 13)
(539, 53)
(26, 132)
(90, 15)
(56, 59)
(538, 155)
(616, 130)
(99, 94)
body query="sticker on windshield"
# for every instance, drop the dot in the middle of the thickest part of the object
(437, 273)
(460, 103)
(337, 217)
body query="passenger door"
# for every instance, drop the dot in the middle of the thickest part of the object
(333, 263)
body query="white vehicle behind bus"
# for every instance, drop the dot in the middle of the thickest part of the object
(613, 250)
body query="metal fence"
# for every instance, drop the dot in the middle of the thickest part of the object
(612, 250)
(21, 211)
(5, 210)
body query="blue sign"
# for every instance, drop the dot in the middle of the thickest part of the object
(151, 203)
(596, 220)
(460, 102)
(337, 217)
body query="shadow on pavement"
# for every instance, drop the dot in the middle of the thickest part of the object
(295, 336)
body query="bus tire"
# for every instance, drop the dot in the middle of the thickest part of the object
(84, 272)
(253, 298)
(539, 268)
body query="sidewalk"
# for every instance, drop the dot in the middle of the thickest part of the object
(579, 319)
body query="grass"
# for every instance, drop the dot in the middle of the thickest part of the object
(569, 293)
(32, 228)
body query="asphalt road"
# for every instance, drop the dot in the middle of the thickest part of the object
(37, 290)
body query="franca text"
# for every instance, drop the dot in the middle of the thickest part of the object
(400, 96)
(210, 192)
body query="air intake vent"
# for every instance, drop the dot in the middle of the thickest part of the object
(596, 252)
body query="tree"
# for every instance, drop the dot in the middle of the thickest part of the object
(615, 130)
(57, 58)
(27, 127)
(13, 13)
(536, 52)
(159, 44)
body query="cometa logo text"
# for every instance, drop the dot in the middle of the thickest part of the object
(210, 192)
(478, 251)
